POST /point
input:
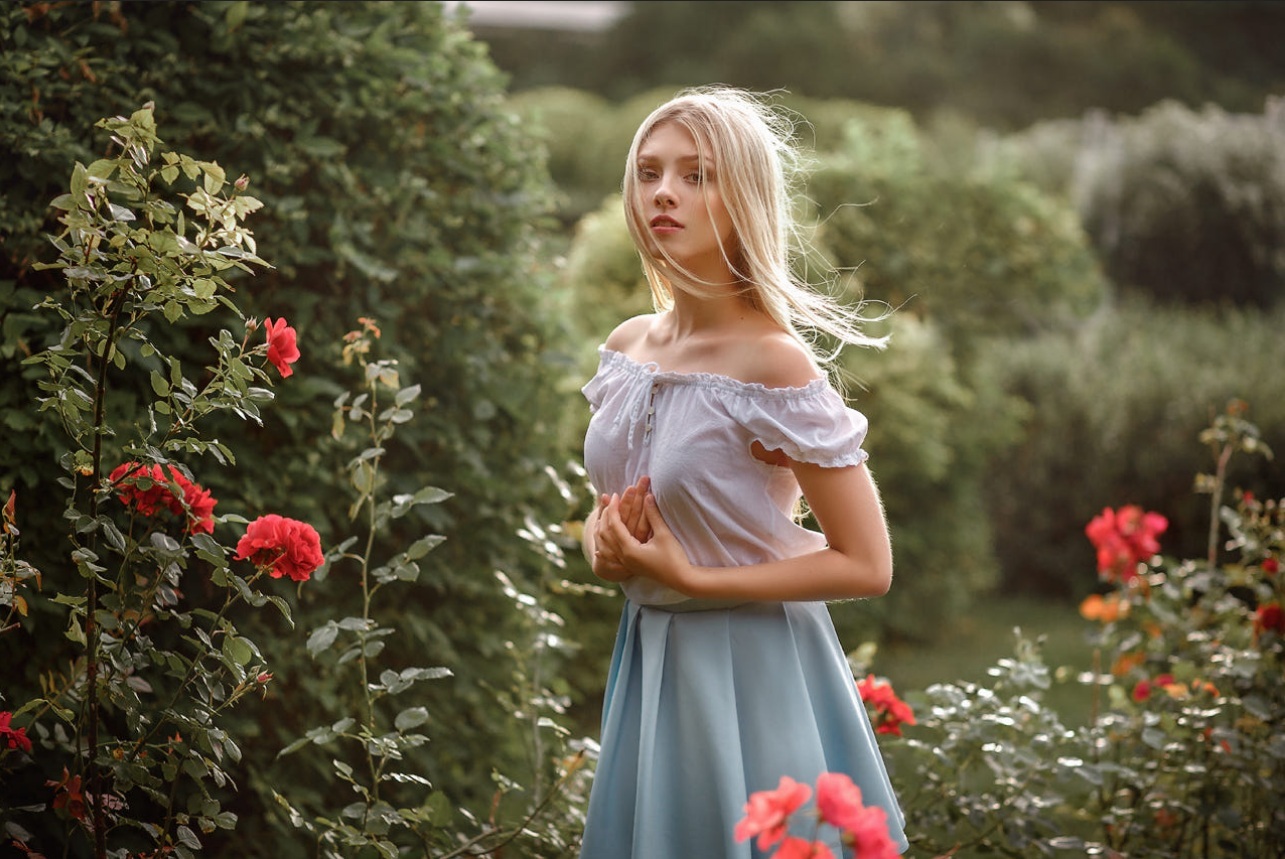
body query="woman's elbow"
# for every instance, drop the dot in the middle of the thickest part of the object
(877, 576)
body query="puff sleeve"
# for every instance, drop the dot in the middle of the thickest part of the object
(810, 424)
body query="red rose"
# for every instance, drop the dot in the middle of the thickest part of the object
(282, 348)
(890, 711)
(870, 836)
(200, 504)
(1271, 566)
(290, 547)
(801, 848)
(1269, 617)
(14, 738)
(838, 800)
(1124, 538)
(126, 476)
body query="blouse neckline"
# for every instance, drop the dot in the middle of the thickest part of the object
(652, 371)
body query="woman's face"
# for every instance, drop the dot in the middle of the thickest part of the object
(678, 201)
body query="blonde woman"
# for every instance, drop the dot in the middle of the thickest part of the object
(711, 419)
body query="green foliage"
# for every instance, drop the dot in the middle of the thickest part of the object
(978, 256)
(1113, 413)
(604, 276)
(397, 186)
(576, 128)
(1183, 753)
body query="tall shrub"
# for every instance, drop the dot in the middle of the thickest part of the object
(398, 186)
(1183, 206)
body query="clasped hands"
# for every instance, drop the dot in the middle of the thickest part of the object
(631, 538)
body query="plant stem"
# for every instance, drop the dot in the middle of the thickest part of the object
(91, 621)
(1215, 502)
(366, 595)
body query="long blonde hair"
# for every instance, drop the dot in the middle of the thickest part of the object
(758, 168)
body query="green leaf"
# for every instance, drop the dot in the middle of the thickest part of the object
(159, 385)
(237, 650)
(113, 535)
(411, 718)
(322, 638)
(187, 837)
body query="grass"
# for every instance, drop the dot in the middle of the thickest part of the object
(985, 636)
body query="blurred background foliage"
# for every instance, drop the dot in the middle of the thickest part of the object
(1077, 208)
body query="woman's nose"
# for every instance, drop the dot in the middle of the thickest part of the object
(664, 198)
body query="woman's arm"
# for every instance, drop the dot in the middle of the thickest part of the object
(857, 561)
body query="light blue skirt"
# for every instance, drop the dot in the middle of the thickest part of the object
(706, 704)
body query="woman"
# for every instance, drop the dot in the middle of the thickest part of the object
(711, 419)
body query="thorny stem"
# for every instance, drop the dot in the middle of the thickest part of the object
(91, 621)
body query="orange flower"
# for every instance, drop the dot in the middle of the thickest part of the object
(68, 794)
(1106, 609)
(1126, 662)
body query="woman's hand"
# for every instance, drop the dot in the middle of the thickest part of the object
(660, 557)
(627, 509)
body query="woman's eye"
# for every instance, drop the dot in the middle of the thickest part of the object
(646, 175)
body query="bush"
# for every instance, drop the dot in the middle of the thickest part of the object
(979, 257)
(1113, 413)
(1182, 206)
(397, 186)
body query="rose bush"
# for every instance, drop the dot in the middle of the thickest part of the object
(1183, 752)
(125, 750)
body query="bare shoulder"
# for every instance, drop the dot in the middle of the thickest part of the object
(776, 360)
(629, 333)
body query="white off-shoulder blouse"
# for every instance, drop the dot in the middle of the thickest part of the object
(691, 433)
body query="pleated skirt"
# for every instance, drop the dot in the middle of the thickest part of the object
(706, 704)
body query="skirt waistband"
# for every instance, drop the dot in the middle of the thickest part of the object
(695, 605)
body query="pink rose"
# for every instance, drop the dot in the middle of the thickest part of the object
(838, 800)
(768, 811)
(801, 848)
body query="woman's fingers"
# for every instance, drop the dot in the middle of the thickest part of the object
(631, 509)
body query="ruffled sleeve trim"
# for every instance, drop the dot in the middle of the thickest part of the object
(813, 425)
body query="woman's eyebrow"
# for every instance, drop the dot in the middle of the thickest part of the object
(647, 157)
